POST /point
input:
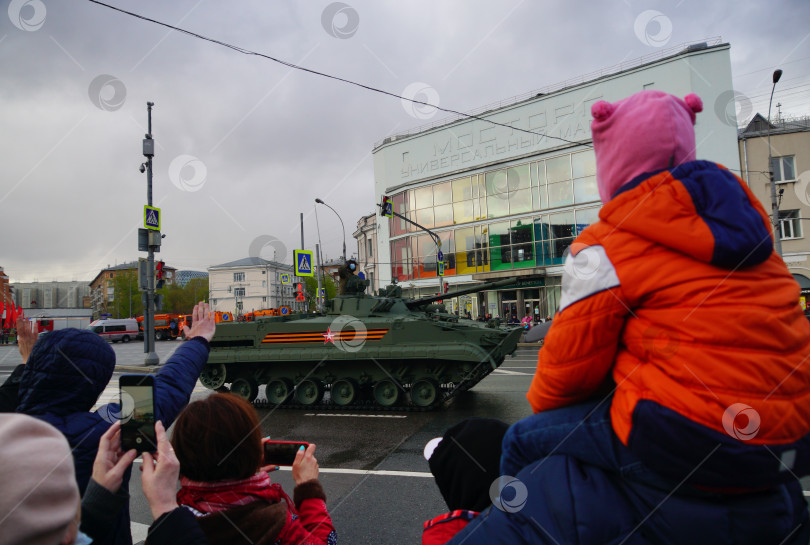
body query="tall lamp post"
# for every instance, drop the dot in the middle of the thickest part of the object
(319, 201)
(777, 237)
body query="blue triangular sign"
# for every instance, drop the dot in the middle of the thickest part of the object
(303, 265)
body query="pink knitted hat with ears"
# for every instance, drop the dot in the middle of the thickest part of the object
(645, 132)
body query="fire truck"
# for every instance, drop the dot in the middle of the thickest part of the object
(47, 323)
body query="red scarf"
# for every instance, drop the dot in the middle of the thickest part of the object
(209, 497)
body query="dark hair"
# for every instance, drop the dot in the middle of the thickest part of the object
(218, 438)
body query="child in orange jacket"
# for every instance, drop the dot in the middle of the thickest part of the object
(676, 309)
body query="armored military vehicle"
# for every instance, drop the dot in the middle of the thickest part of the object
(363, 351)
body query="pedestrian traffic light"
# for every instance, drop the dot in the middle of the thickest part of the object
(446, 287)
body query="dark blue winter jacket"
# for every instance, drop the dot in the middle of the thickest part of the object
(560, 500)
(64, 377)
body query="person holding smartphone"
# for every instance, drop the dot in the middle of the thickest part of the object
(223, 482)
(69, 369)
(160, 470)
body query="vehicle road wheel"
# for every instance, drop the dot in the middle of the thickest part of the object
(213, 376)
(386, 393)
(309, 391)
(278, 390)
(246, 388)
(125, 339)
(424, 392)
(344, 391)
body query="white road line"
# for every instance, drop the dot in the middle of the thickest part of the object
(504, 372)
(110, 394)
(138, 531)
(358, 415)
(384, 473)
(342, 471)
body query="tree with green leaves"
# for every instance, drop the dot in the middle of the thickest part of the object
(181, 300)
(127, 301)
(312, 289)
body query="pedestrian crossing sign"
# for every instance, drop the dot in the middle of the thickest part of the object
(303, 263)
(151, 217)
(285, 278)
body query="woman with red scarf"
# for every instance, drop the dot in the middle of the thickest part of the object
(219, 445)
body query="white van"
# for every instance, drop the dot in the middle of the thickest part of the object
(123, 330)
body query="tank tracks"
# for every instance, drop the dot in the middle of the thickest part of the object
(447, 392)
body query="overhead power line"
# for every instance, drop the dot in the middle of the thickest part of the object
(325, 75)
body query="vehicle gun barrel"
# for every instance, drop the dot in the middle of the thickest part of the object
(416, 303)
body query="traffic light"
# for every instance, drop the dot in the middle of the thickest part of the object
(143, 274)
(387, 207)
(159, 274)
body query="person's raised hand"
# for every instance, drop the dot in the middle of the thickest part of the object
(26, 337)
(111, 463)
(202, 323)
(160, 473)
(305, 466)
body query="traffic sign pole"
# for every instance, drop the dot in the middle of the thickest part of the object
(149, 310)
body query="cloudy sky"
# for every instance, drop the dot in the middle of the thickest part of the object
(244, 144)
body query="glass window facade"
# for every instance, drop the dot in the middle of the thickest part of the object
(554, 196)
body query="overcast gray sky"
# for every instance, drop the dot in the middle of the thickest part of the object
(245, 144)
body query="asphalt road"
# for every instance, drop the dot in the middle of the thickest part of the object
(377, 482)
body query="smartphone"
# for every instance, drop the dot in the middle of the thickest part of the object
(138, 413)
(282, 453)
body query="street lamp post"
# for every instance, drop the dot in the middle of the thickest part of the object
(777, 238)
(319, 201)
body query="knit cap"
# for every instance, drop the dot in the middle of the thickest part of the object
(40, 497)
(465, 462)
(646, 132)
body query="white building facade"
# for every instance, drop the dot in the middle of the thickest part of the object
(507, 203)
(251, 284)
(366, 237)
